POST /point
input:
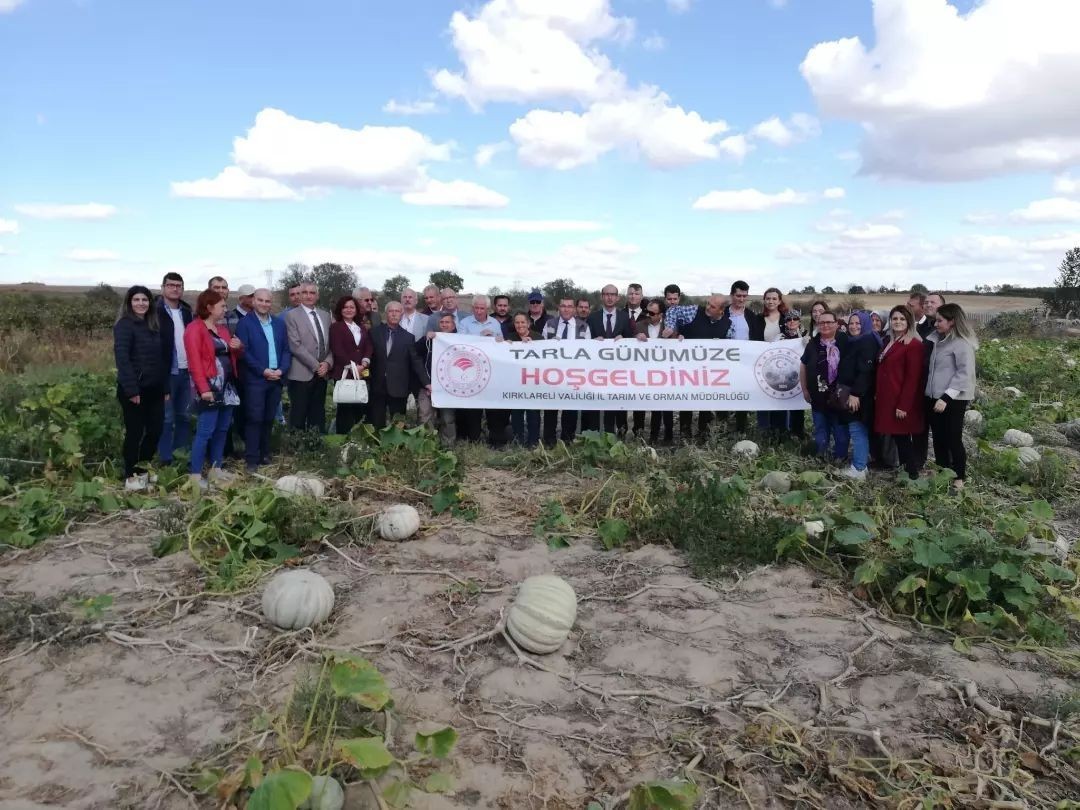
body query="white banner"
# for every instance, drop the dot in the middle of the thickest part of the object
(606, 375)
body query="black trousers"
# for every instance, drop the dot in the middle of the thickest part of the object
(307, 404)
(237, 429)
(470, 424)
(905, 449)
(948, 428)
(498, 422)
(639, 421)
(665, 418)
(569, 425)
(347, 416)
(142, 427)
(590, 420)
(920, 442)
(686, 425)
(379, 402)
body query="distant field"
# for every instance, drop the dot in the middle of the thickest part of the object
(970, 303)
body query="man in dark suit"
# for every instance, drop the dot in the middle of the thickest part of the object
(610, 322)
(308, 329)
(266, 360)
(636, 310)
(393, 360)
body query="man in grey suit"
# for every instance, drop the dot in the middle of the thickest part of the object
(308, 330)
(610, 322)
(394, 361)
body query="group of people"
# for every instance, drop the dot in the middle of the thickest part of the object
(872, 384)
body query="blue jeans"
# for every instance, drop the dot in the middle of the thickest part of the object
(526, 427)
(827, 425)
(176, 427)
(211, 428)
(261, 402)
(860, 444)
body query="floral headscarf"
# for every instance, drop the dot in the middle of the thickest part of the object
(791, 324)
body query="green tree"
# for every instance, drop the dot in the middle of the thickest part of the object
(828, 291)
(562, 288)
(856, 289)
(103, 295)
(446, 278)
(294, 274)
(393, 287)
(809, 290)
(1065, 297)
(333, 280)
(920, 288)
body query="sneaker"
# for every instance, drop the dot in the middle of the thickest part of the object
(220, 476)
(136, 483)
(202, 482)
(856, 475)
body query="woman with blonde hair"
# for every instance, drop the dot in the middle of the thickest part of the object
(950, 386)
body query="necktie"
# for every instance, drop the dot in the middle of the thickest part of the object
(319, 334)
(565, 329)
(389, 341)
(608, 331)
(633, 314)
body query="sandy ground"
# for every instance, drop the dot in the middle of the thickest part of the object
(661, 670)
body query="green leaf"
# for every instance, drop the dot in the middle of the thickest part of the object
(1020, 599)
(910, 584)
(444, 499)
(366, 753)
(929, 555)
(439, 782)
(860, 518)
(961, 645)
(207, 780)
(397, 793)
(851, 536)
(613, 532)
(1041, 510)
(974, 581)
(1056, 573)
(869, 572)
(1005, 570)
(357, 678)
(437, 744)
(1013, 527)
(666, 795)
(169, 544)
(797, 497)
(811, 477)
(285, 789)
(253, 771)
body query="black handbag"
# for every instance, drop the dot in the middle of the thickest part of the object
(838, 398)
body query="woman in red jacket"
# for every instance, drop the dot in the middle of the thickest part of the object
(350, 342)
(212, 361)
(900, 381)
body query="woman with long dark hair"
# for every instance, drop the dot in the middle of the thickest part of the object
(140, 382)
(898, 401)
(950, 386)
(772, 313)
(350, 342)
(525, 425)
(855, 376)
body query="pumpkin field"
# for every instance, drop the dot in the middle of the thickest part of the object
(600, 625)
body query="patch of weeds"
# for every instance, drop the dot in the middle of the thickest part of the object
(553, 525)
(336, 725)
(1046, 478)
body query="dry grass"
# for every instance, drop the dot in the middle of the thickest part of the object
(24, 351)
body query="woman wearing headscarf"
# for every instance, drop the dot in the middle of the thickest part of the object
(898, 401)
(855, 376)
(818, 377)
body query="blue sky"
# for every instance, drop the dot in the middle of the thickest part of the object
(514, 141)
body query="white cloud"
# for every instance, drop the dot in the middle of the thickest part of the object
(456, 194)
(591, 264)
(1056, 209)
(486, 152)
(233, 183)
(644, 123)
(798, 128)
(528, 225)
(948, 96)
(9, 226)
(679, 6)
(749, 199)
(82, 211)
(303, 153)
(92, 255)
(530, 50)
(7, 6)
(981, 218)
(834, 193)
(871, 232)
(395, 107)
(1067, 185)
(654, 42)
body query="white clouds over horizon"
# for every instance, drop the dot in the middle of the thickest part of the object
(752, 200)
(233, 183)
(456, 194)
(945, 96)
(9, 226)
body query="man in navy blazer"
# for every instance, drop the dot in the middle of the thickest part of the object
(266, 360)
(610, 322)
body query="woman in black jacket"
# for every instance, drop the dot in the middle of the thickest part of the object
(856, 373)
(140, 382)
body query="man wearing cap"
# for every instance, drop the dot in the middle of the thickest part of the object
(242, 308)
(538, 316)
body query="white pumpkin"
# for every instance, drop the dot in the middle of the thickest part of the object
(1017, 438)
(300, 485)
(297, 598)
(1029, 455)
(326, 794)
(973, 419)
(543, 614)
(777, 481)
(813, 528)
(1070, 362)
(1012, 391)
(746, 448)
(398, 522)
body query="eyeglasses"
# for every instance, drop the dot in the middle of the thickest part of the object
(367, 299)
(653, 314)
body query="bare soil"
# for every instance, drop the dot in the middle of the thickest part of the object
(661, 670)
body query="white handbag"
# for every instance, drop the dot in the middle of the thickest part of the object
(350, 391)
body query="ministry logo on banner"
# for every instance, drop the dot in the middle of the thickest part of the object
(463, 370)
(777, 373)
